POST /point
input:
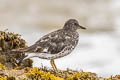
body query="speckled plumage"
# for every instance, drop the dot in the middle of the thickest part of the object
(56, 44)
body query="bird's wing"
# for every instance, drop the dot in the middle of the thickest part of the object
(51, 43)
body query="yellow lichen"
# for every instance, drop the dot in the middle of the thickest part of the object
(39, 74)
(2, 67)
(81, 76)
(2, 78)
(109, 79)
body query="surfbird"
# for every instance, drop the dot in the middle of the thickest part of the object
(56, 44)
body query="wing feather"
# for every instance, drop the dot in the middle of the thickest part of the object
(51, 43)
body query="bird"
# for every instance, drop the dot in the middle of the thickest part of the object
(56, 44)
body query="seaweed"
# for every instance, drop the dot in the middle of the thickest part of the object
(8, 42)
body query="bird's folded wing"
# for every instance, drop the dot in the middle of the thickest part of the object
(51, 43)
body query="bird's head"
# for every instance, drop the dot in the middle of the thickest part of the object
(72, 25)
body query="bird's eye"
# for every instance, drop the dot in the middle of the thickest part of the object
(75, 24)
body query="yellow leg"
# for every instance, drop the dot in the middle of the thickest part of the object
(53, 65)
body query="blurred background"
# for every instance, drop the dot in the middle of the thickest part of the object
(98, 49)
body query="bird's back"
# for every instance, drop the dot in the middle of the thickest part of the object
(55, 44)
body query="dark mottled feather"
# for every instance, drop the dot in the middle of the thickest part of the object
(56, 44)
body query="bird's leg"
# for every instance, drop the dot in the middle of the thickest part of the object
(53, 65)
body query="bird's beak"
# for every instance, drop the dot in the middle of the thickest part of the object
(81, 27)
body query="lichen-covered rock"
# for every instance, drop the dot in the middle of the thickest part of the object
(47, 74)
(9, 70)
(9, 41)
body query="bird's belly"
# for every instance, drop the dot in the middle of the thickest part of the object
(48, 55)
(55, 56)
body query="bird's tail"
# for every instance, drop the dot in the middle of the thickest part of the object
(27, 56)
(19, 61)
